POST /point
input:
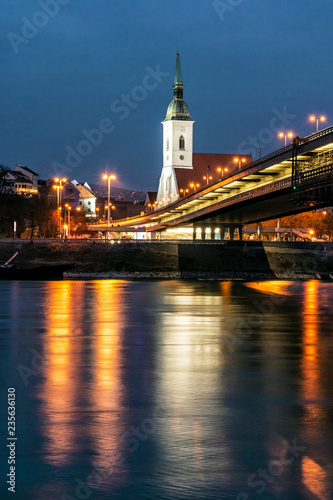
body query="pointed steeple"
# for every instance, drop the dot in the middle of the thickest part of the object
(178, 81)
(178, 109)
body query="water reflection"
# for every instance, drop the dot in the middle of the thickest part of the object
(82, 371)
(60, 388)
(310, 359)
(115, 350)
(106, 391)
(191, 332)
(315, 479)
(314, 476)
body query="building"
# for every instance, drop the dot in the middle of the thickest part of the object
(29, 174)
(183, 171)
(87, 200)
(70, 195)
(21, 181)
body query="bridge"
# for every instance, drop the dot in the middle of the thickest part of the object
(291, 180)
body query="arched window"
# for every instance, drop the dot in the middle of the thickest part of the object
(167, 144)
(181, 142)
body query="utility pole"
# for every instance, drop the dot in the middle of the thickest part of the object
(260, 149)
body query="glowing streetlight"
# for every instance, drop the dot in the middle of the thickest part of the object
(317, 119)
(222, 170)
(109, 178)
(69, 208)
(112, 207)
(239, 161)
(207, 178)
(285, 135)
(194, 185)
(58, 186)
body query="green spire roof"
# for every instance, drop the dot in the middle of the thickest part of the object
(178, 109)
(178, 72)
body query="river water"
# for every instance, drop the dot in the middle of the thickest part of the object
(168, 390)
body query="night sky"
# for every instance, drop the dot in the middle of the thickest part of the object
(69, 67)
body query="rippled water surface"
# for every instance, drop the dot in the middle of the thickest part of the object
(168, 390)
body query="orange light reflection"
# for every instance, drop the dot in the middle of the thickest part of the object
(310, 367)
(60, 388)
(107, 388)
(314, 478)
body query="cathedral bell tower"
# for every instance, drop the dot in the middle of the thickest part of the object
(177, 140)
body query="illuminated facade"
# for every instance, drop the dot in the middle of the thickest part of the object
(177, 140)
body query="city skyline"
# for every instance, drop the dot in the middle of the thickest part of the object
(85, 88)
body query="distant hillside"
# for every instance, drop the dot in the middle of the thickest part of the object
(118, 193)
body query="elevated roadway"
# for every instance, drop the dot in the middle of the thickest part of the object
(265, 189)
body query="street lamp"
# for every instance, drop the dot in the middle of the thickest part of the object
(222, 170)
(58, 186)
(317, 119)
(208, 178)
(69, 208)
(112, 207)
(239, 161)
(285, 135)
(109, 178)
(194, 185)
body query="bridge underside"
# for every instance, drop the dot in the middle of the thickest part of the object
(270, 206)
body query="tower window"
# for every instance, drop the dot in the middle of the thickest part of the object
(167, 144)
(181, 142)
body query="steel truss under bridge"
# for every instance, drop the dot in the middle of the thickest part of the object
(312, 175)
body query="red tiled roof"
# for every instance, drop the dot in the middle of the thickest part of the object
(201, 162)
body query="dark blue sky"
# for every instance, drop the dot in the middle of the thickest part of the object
(249, 67)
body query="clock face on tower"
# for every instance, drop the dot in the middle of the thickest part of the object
(181, 157)
(182, 129)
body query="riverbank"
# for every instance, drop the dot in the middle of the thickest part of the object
(97, 259)
(230, 276)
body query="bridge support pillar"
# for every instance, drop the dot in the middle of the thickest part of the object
(235, 227)
(222, 231)
(239, 227)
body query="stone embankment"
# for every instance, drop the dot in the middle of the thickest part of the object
(173, 260)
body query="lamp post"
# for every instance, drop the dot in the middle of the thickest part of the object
(69, 208)
(112, 207)
(222, 170)
(194, 185)
(239, 161)
(285, 135)
(58, 186)
(317, 119)
(208, 177)
(109, 178)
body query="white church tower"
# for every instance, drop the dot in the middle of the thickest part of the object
(177, 141)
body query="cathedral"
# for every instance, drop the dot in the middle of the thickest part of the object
(183, 171)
